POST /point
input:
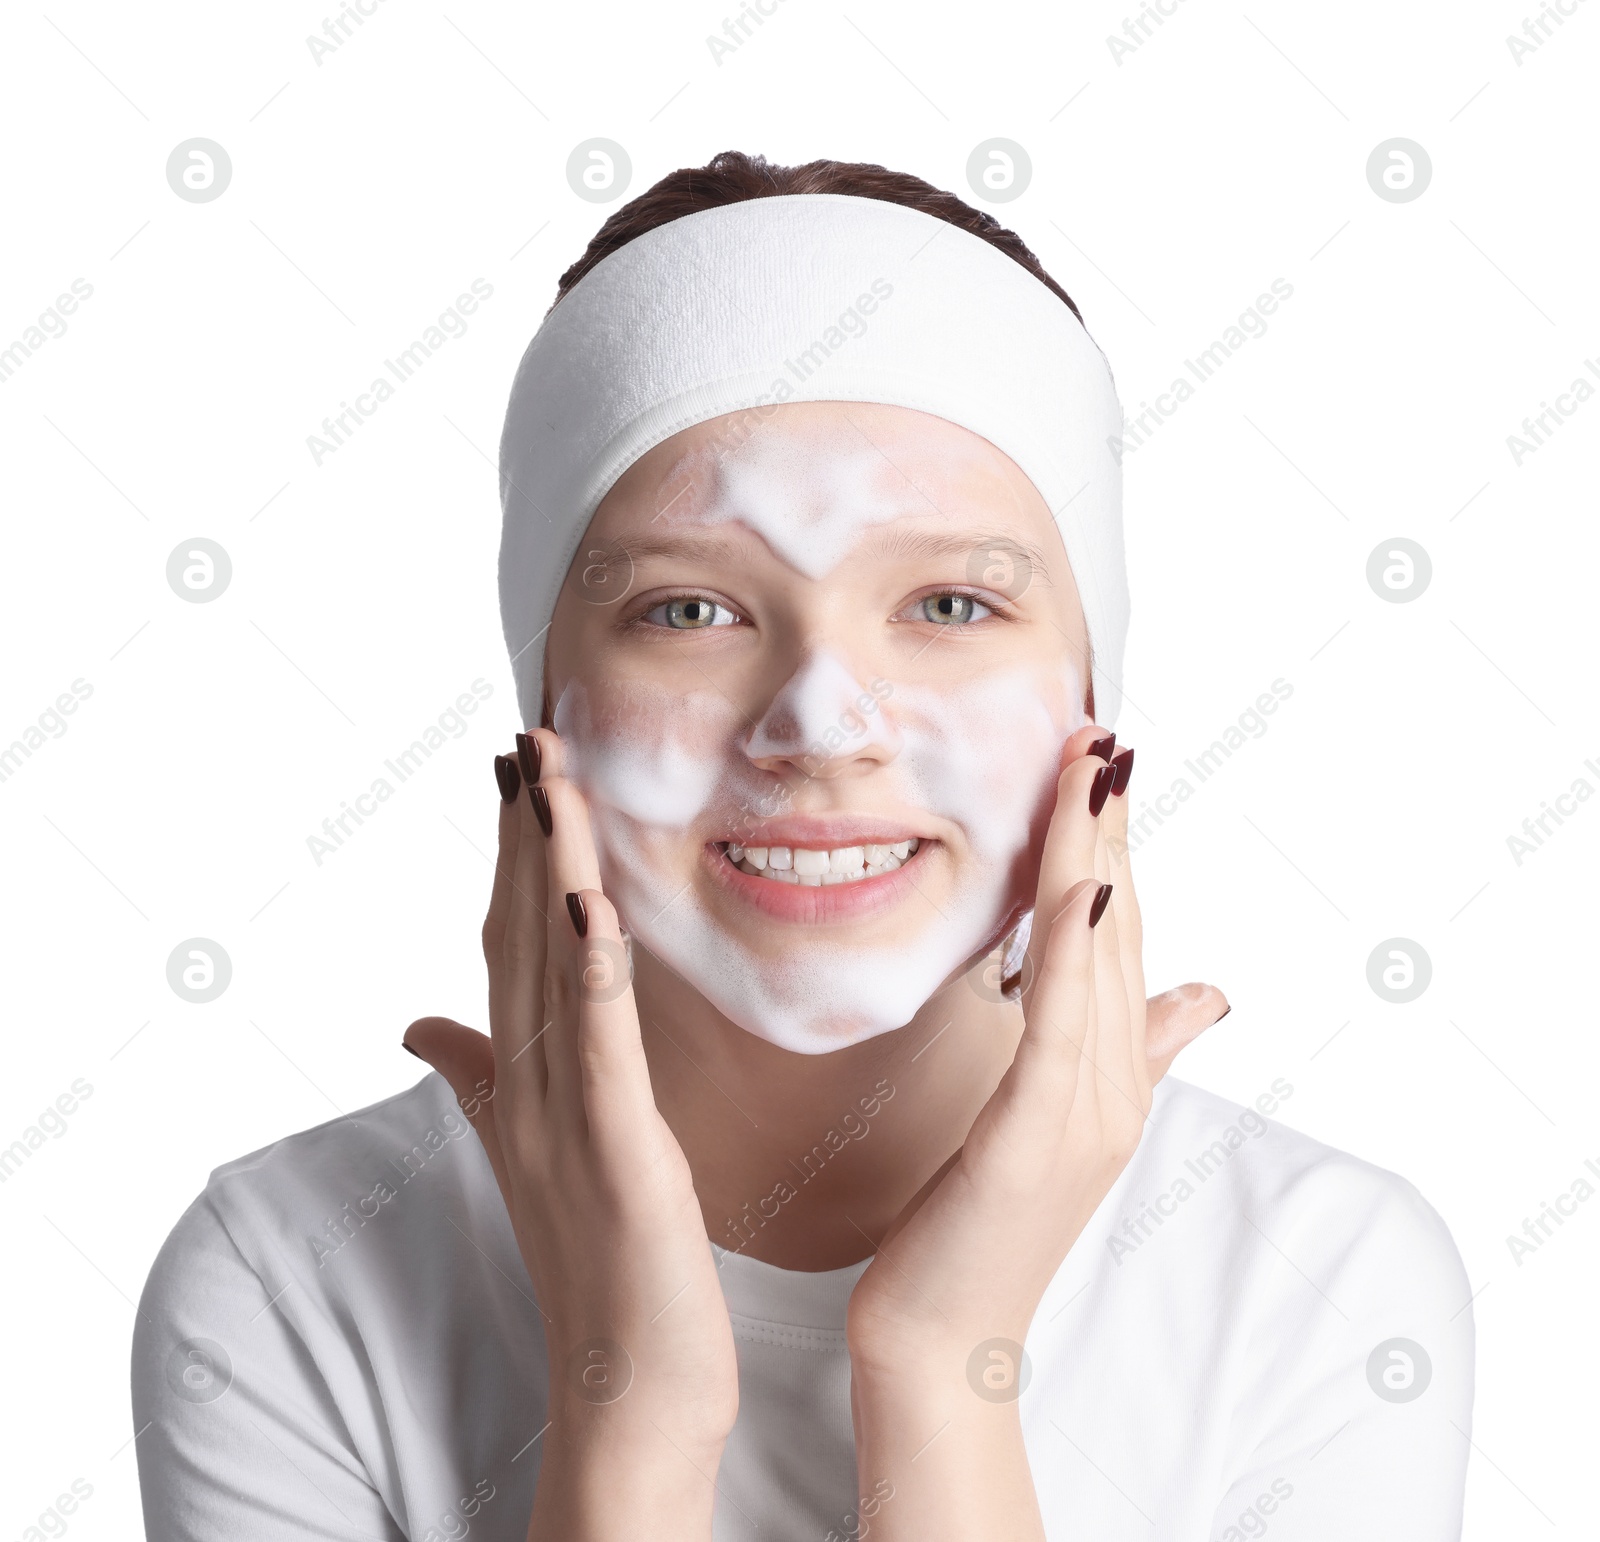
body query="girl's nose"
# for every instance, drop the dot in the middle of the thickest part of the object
(824, 721)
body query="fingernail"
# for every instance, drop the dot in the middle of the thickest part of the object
(408, 1049)
(1102, 898)
(1103, 747)
(541, 808)
(506, 774)
(1225, 1011)
(580, 916)
(1101, 790)
(528, 758)
(1123, 766)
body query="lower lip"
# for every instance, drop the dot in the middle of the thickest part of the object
(826, 902)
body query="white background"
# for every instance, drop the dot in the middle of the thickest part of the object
(1168, 190)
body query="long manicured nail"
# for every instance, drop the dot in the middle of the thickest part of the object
(541, 808)
(1123, 766)
(528, 758)
(1101, 790)
(408, 1049)
(507, 775)
(1102, 898)
(580, 916)
(1103, 747)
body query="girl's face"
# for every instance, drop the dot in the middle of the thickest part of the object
(813, 668)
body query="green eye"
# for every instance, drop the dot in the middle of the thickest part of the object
(953, 608)
(689, 613)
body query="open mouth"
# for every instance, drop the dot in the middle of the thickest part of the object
(818, 867)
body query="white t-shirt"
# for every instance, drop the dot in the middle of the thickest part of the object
(339, 1340)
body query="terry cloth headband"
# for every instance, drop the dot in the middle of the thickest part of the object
(804, 297)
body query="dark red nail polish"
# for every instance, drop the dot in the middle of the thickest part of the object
(528, 758)
(1103, 747)
(1101, 900)
(1101, 790)
(541, 808)
(506, 774)
(580, 916)
(1123, 766)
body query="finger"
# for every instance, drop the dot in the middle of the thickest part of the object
(1097, 744)
(618, 1099)
(1129, 924)
(465, 1059)
(509, 781)
(1175, 1019)
(516, 971)
(540, 755)
(1041, 1083)
(570, 867)
(1110, 1045)
(1069, 849)
(1091, 739)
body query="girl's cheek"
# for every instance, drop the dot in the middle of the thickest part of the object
(987, 754)
(652, 757)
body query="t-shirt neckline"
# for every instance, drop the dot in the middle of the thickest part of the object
(764, 1293)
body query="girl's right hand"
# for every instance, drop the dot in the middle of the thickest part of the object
(643, 1376)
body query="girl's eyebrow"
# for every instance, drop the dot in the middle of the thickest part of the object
(714, 546)
(905, 542)
(688, 545)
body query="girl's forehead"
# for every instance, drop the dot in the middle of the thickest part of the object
(813, 479)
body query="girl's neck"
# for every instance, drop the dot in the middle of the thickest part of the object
(802, 1161)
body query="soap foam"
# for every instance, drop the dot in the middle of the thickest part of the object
(984, 756)
(664, 771)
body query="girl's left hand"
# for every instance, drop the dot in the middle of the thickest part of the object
(969, 1258)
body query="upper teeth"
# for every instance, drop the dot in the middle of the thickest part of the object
(811, 868)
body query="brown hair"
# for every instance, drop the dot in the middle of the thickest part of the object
(733, 177)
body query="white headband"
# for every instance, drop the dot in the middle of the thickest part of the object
(804, 297)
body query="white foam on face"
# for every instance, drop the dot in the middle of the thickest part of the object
(821, 698)
(809, 507)
(666, 771)
(643, 775)
(984, 757)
